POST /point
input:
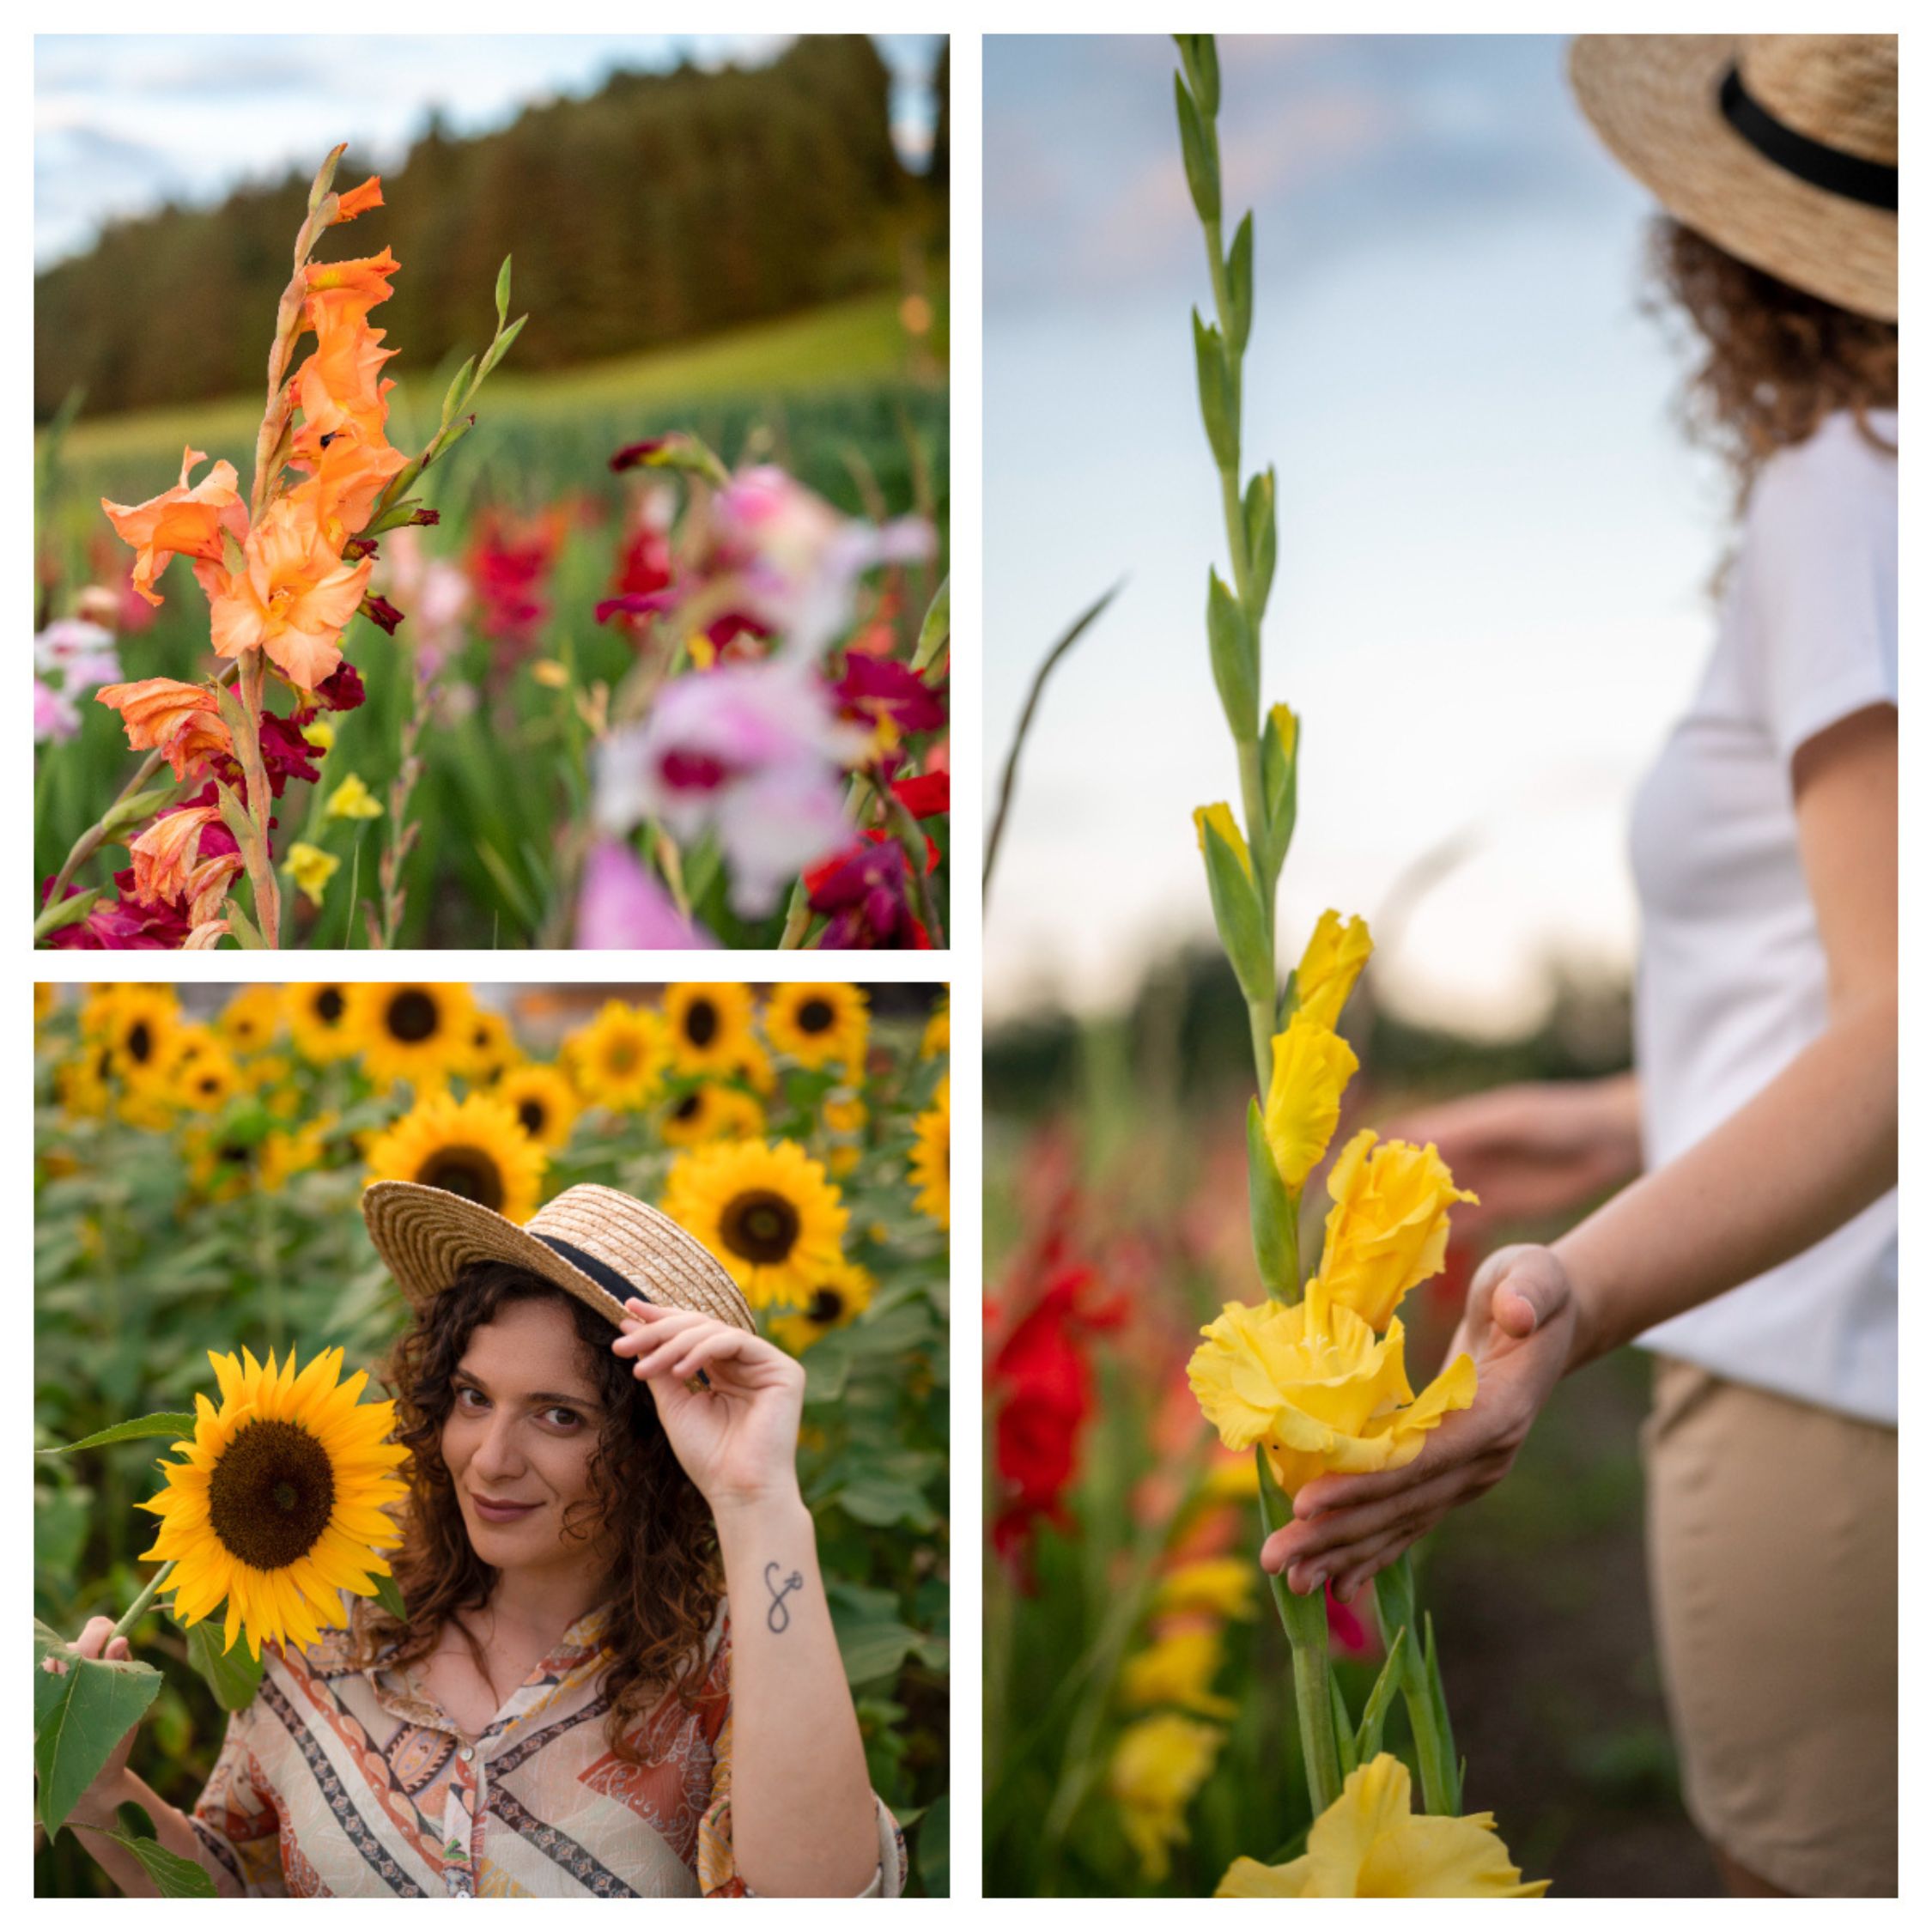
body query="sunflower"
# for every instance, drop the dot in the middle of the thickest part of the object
(936, 1042)
(493, 1048)
(83, 1081)
(285, 1154)
(843, 1293)
(932, 1160)
(712, 1112)
(250, 1019)
(542, 1100)
(421, 1033)
(315, 1013)
(46, 1001)
(137, 1023)
(819, 1025)
(202, 1077)
(280, 1504)
(710, 1027)
(476, 1148)
(765, 1211)
(618, 1060)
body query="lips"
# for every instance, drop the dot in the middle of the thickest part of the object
(501, 1512)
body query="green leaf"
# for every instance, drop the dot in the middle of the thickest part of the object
(67, 912)
(933, 1855)
(389, 1595)
(1271, 1214)
(1257, 517)
(175, 1423)
(1231, 652)
(883, 1499)
(1237, 917)
(247, 933)
(234, 1675)
(129, 812)
(1197, 156)
(1204, 69)
(936, 629)
(81, 1712)
(1367, 1735)
(1281, 755)
(453, 396)
(1344, 1732)
(175, 1877)
(500, 348)
(502, 294)
(1217, 395)
(1240, 286)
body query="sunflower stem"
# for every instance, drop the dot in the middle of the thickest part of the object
(142, 1604)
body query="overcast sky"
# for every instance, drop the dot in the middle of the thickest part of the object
(1491, 601)
(123, 122)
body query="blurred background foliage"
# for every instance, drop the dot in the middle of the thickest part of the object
(1116, 1215)
(165, 1228)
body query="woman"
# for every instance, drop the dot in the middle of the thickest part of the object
(569, 1711)
(1757, 1256)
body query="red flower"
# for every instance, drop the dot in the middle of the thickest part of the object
(865, 892)
(875, 687)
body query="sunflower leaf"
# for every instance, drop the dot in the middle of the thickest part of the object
(164, 1422)
(233, 1675)
(174, 1876)
(82, 1708)
(389, 1595)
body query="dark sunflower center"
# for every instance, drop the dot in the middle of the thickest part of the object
(701, 1023)
(688, 1108)
(816, 1016)
(271, 1495)
(468, 1172)
(826, 1306)
(762, 1226)
(210, 1083)
(140, 1042)
(328, 1005)
(412, 1016)
(532, 1113)
(233, 1153)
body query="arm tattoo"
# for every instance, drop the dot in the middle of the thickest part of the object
(778, 1617)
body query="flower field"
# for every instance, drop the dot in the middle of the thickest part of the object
(199, 1157)
(654, 656)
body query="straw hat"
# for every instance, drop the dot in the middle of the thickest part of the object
(1783, 148)
(596, 1243)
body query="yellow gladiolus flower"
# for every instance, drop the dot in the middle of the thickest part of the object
(1333, 961)
(1223, 1585)
(1158, 1766)
(352, 798)
(1283, 723)
(311, 868)
(1316, 1389)
(1312, 1064)
(1368, 1844)
(1219, 820)
(1178, 1667)
(1389, 1228)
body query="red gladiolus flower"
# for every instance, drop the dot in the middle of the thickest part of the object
(876, 688)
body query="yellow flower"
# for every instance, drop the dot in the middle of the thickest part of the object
(1223, 1585)
(493, 1048)
(311, 868)
(709, 1026)
(203, 1079)
(1312, 1064)
(1232, 1479)
(543, 1102)
(284, 1155)
(765, 1211)
(1335, 957)
(712, 1112)
(618, 1060)
(1220, 821)
(1368, 1844)
(843, 1114)
(315, 1013)
(1178, 1667)
(252, 1019)
(418, 1033)
(321, 734)
(352, 798)
(475, 1148)
(136, 1023)
(1283, 723)
(280, 1504)
(932, 1160)
(818, 1025)
(843, 1293)
(46, 1001)
(936, 1041)
(1157, 1766)
(1389, 1228)
(1316, 1389)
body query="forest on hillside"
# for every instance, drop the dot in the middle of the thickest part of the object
(659, 208)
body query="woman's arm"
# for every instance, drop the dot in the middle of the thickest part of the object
(803, 1820)
(1817, 1146)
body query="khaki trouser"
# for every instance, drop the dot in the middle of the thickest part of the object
(1774, 1582)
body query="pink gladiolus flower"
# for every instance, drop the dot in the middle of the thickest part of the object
(54, 715)
(622, 907)
(83, 652)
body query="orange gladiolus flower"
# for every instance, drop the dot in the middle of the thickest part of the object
(169, 851)
(345, 291)
(186, 521)
(183, 721)
(293, 597)
(351, 474)
(206, 892)
(358, 201)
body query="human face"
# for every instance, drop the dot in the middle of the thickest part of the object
(519, 1437)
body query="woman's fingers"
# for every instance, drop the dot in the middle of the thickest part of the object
(1370, 1562)
(709, 1348)
(98, 1631)
(1334, 1545)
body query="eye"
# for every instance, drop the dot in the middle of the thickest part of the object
(471, 1399)
(561, 1417)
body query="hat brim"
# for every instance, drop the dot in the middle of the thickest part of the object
(426, 1236)
(1653, 98)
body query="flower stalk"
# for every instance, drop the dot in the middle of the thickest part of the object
(142, 1604)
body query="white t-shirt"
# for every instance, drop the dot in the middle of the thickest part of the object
(1731, 974)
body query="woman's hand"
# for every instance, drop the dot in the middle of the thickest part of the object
(739, 1439)
(101, 1798)
(1522, 1324)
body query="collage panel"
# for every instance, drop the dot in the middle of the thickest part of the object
(1440, 1064)
(491, 1441)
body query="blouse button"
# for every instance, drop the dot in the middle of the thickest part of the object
(467, 1753)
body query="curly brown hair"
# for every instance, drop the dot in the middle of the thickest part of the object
(665, 1584)
(1774, 362)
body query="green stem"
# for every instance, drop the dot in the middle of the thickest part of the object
(139, 1607)
(1305, 1619)
(1421, 1681)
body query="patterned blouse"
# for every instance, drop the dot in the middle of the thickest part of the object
(344, 1783)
